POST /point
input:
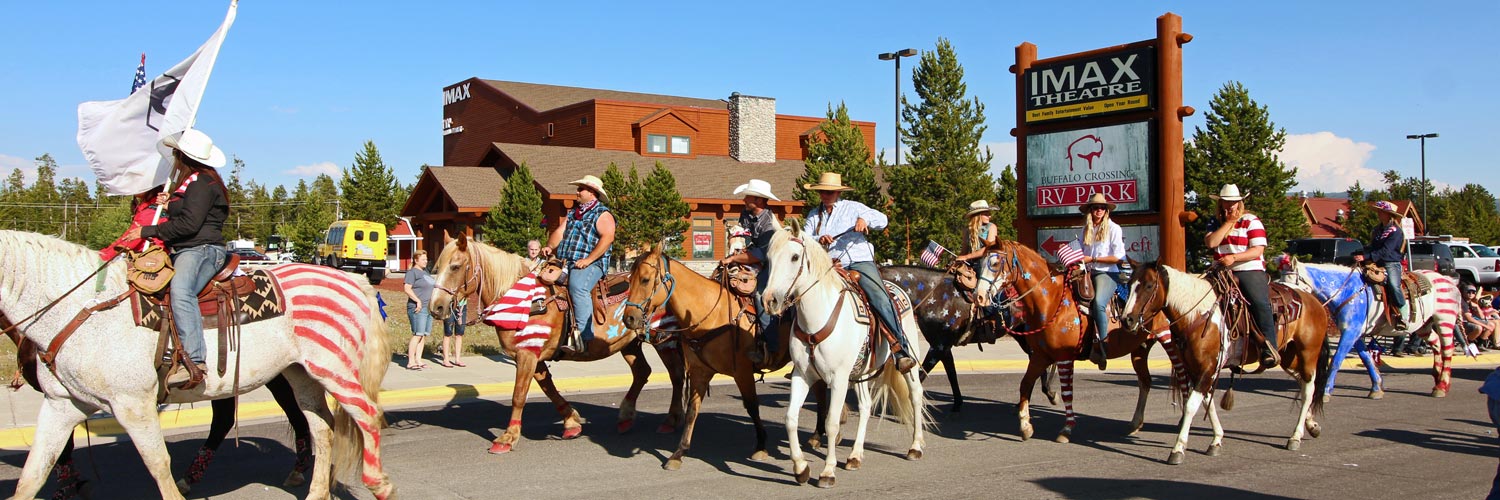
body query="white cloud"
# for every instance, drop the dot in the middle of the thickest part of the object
(1005, 154)
(10, 163)
(316, 169)
(1329, 163)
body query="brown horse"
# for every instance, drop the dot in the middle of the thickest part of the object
(1056, 329)
(467, 268)
(714, 330)
(1203, 338)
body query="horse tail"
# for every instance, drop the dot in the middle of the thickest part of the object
(349, 437)
(892, 396)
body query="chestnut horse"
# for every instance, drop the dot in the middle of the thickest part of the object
(467, 268)
(713, 329)
(1045, 301)
(1203, 344)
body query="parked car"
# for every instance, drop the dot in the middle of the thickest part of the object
(1431, 255)
(249, 254)
(1325, 250)
(1476, 263)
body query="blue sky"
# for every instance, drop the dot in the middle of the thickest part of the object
(300, 86)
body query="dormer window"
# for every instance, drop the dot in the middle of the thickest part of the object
(656, 144)
(664, 144)
(681, 145)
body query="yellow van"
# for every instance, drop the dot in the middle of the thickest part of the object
(357, 246)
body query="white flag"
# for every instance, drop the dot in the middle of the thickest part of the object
(119, 138)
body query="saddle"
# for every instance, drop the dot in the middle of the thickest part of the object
(863, 315)
(1412, 285)
(611, 290)
(1245, 341)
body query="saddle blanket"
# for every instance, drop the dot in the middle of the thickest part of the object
(266, 302)
(899, 301)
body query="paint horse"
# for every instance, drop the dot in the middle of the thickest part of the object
(1203, 340)
(467, 268)
(1359, 314)
(830, 344)
(1057, 331)
(330, 341)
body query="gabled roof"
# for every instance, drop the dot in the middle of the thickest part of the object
(703, 177)
(548, 97)
(469, 188)
(1323, 215)
(661, 113)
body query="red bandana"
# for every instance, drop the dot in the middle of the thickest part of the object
(582, 209)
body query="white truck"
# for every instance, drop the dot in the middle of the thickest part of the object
(1474, 263)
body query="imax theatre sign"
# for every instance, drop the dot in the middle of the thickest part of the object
(1108, 83)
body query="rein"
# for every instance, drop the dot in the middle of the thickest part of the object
(14, 330)
(476, 275)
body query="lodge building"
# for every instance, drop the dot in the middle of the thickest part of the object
(563, 133)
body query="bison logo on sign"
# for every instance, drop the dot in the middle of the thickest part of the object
(1087, 147)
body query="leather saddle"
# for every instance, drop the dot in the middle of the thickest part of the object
(226, 300)
(1245, 340)
(612, 289)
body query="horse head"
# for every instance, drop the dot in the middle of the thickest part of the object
(651, 284)
(457, 273)
(794, 267)
(1148, 294)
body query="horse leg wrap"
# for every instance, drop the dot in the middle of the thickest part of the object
(199, 466)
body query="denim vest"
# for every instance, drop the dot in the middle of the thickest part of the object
(582, 235)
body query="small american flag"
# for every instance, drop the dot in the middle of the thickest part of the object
(1069, 255)
(931, 254)
(140, 75)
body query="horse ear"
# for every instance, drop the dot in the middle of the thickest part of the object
(463, 242)
(447, 237)
(1134, 264)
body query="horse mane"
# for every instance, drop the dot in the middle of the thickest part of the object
(45, 255)
(1185, 292)
(501, 268)
(818, 261)
(1031, 261)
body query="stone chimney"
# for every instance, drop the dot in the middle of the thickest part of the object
(752, 128)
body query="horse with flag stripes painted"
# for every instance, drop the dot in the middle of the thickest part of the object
(466, 268)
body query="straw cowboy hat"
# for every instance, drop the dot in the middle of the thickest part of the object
(594, 184)
(193, 144)
(829, 181)
(1230, 192)
(756, 187)
(1387, 207)
(1096, 199)
(979, 207)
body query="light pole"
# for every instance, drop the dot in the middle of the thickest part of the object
(896, 56)
(1423, 138)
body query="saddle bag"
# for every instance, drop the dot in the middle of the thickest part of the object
(741, 280)
(1083, 285)
(963, 276)
(150, 271)
(550, 272)
(1374, 274)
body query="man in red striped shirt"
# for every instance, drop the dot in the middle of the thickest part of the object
(1238, 245)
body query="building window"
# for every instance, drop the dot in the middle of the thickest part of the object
(656, 144)
(681, 145)
(703, 239)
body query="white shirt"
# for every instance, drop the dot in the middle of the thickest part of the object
(848, 246)
(1113, 245)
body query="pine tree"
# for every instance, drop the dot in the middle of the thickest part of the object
(947, 169)
(840, 148)
(108, 222)
(314, 213)
(1360, 219)
(47, 218)
(662, 213)
(1004, 215)
(1469, 212)
(1239, 147)
(370, 190)
(517, 218)
(622, 191)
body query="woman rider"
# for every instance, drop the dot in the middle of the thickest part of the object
(1103, 249)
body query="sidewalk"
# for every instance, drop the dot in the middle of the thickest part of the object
(492, 378)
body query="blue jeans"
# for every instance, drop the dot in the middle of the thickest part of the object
(193, 267)
(869, 279)
(1393, 284)
(1105, 284)
(580, 283)
(456, 322)
(1256, 287)
(421, 322)
(764, 319)
(1494, 406)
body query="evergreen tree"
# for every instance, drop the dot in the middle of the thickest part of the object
(946, 167)
(1239, 147)
(109, 222)
(313, 205)
(1361, 219)
(1004, 216)
(1469, 212)
(46, 213)
(840, 148)
(663, 216)
(75, 213)
(370, 190)
(12, 194)
(517, 218)
(622, 190)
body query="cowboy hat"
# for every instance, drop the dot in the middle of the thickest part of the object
(756, 187)
(1386, 206)
(594, 184)
(978, 207)
(1230, 192)
(829, 181)
(194, 145)
(1096, 199)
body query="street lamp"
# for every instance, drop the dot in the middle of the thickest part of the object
(896, 56)
(1423, 138)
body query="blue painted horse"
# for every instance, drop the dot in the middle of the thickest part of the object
(1353, 303)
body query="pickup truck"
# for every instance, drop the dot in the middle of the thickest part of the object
(1475, 263)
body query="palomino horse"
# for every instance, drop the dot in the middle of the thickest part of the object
(829, 344)
(1345, 292)
(1203, 344)
(712, 330)
(467, 268)
(331, 339)
(1056, 330)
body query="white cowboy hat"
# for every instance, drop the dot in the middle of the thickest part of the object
(193, 144)
(1230, 192)
(978, 207)
(756, 187)
(595, 184)
(829, 181)
(1096, 199)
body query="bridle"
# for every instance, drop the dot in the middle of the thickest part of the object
(792, 297)
(476, 276)
(664, 278)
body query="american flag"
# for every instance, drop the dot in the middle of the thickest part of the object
(931, 254)
(140, 75)
(1069, 255)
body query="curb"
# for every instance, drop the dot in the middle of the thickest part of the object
(106, 429)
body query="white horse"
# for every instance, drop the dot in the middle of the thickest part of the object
(802, 275)
(331, 338)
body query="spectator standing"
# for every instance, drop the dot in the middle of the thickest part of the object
(453, 333)
(419, 285)
(533, 255)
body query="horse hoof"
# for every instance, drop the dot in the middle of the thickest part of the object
(499, 448)
(1439, 393)
(1052, 399)
(760, 456)
(666, 428)
(1175, 458)
(1213, 450)
(851, 464)
(814, 443)
(572, 432)
(1026, 431)
(1314, 429)
(672, 464)
(625, 425)
(913, 454)
(1329, 397)
(294, 480)
(1377, 394)
(1062, 438)
(825, 482)
(1294, 444)
(804, 476)
(183, 487)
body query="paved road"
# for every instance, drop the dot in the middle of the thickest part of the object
(1407, 445)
